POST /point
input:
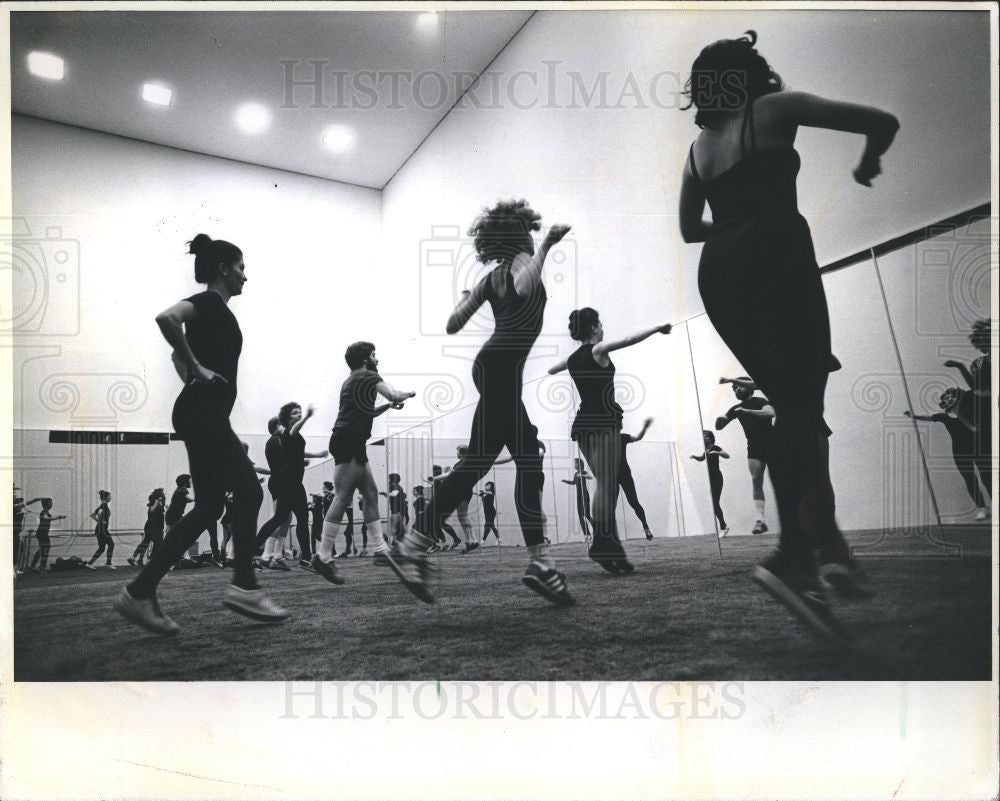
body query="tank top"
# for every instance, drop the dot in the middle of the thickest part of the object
(761, 183)
(596, 385)
(518, 320)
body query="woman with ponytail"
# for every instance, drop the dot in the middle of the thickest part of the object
(598, 424)
(762, 290)
(207, 342)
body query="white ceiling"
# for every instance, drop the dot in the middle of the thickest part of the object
(217, 61)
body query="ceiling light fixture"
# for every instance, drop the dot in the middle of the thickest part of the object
(46, 65)
(253, 118)
(157, 94)
(338, 138)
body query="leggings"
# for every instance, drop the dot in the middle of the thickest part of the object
(627, 484)
(716, 481)
(42, 552)
(103, 541)
(967, 467)
(500, 421)
(218, 463)
(762, 291)
(290, 500)
(491, 525)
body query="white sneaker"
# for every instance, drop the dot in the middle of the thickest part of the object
(982, 514)
(254, 604)
(724, 532)
(145, 613)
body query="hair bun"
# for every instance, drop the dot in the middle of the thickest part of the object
(199, 244)
(574, 323)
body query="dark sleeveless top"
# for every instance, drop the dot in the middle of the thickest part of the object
(596, 385)
(761, 183)
(518, 320)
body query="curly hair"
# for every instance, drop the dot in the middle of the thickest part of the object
(725, 76)
(285, 412)
(498, 232)
(982, 334)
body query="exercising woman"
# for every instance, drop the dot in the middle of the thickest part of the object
(713, 453)
(963, 445)
(102, 517)
(579, 480)
(975, 408)
(489, 501)
(515, 291)
(207, 342)
(152, 531)
(45, 518)
(598, 424)
(627, 482)
(761, 287)
(442, 528)
(396, 497)
(351, 469)
(755, 415)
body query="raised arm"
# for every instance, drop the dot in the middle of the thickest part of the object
(746, 383)
(966, 373)
(645, 427)
(527, 270)
(310, 411)
(601, 349)
(877, 126)
(171, 322)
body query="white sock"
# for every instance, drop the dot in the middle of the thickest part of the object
(760, 509)
(376, 537)
(330, 533)
(540, 553)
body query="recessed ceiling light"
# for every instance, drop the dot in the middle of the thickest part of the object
(428, 21)
(253, 118)
(338, 138)
(156, 93)
(45, 65)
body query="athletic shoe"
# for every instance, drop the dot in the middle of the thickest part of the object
(219, 564)
(131, 561)
(89, 566)
(649, 534)
(254, 604)
(306, 564)
(723, 532)
(612, 558)
(802, 595)
(760, 527)
(470, 547)
(848, 580)
(145, 613)
(110, 566)
(258, 565)
(326, 569)
(549, 583)
(279, 564)
(344, 555)
(982, 514)
(364, 552)
(412, 571)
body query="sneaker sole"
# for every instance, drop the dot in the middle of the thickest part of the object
(333, 578)
(141, 623)
(557, 599)
(778, 590)
(253, 614)
(418, 589)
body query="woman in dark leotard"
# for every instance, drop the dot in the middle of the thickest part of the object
(712, 453)
(489, 501)
(627, 482)
(516, 294)
(45, 518)
(975, 408)
(102, 516)
(963, 445)
(207, 342)
(152, 531)
(439, 474)
(761, 286)
(579, 482)
(598, 424)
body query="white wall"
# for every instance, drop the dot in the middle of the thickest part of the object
(124, 210)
